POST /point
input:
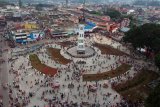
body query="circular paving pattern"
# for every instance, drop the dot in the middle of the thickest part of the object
(81, 81)
(89, 52)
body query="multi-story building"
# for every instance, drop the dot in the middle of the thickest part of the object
(2, 21)
(24, 37)
(20, 37)
(30, 25)
(35, 35)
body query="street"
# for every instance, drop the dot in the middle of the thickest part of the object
(4, 74)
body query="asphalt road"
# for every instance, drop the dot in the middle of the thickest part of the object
(4, 74)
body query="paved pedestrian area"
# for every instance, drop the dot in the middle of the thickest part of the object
(30, 88)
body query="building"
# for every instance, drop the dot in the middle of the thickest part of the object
(35, 35)
(2, 21)
(106, 18)
(30, 25)
(124, 29)
(89, 26)
(80, 42)
(8, 15)
(23, 37)
(17, 16)
(113, 28)
(74, 19)
(20, 37)
(20, 3)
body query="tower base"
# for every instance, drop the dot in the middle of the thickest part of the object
(80, 52)
(88, 52)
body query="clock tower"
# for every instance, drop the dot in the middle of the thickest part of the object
(80, 42)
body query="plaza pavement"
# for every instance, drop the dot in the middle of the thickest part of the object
(26, 73)
(4, 74)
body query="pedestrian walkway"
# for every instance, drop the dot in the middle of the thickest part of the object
(29, 87)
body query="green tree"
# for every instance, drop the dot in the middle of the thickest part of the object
(147, 35)
(114, 14)
(39, 7)
(157, 61)
(95, 13)
(153, 99)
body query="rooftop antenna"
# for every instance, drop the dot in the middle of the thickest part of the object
(84, 2)
(20, 3)
(66, 3)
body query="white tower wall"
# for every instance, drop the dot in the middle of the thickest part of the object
(80, 42)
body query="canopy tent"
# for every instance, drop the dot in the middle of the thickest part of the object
(92, 87)
(56, 84)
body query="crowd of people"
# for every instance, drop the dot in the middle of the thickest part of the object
(28, 86)
(1, 103)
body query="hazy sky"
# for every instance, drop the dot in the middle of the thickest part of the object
(89, 1)
(72, 1)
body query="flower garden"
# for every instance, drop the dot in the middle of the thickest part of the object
(106, 49)
(38, 65)
(57, 57)
(108, 74)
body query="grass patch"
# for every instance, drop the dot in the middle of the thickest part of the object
(136, 88)
(36, 63)
(105, 75)
(55, 54)
(106, 49)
